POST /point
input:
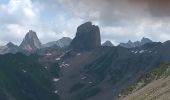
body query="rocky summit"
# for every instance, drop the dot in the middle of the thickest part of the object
(30, 42)
(87, 37)
(108, 44)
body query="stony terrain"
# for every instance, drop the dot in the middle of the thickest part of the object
(156, 90)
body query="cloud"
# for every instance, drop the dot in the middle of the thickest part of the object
(119, 20)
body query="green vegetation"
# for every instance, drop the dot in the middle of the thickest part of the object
(23, 78)
(160, 72)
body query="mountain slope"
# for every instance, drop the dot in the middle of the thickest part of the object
(155, 85)
(23, 78)
(156, 90)
(90, 76)
(63, 42)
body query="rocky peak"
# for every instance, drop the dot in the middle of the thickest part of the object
(107, 43)
(10, 44)
(30, 42)
(87, 37)
(145, 40)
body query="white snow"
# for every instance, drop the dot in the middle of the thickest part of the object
(83, 78)
(90, 82)
(78, 54)
(136, 52)
(141, 51)
(46, 67)
(24, 71)
(61, 55)
(56, 79)
(55, 91)
(48, 54)
(64, 65)
(61, 66)
(58, 58)
(132, 51)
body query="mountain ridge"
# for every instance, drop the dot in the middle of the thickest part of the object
(131, 44)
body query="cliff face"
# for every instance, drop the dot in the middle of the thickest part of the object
(30, 42)
(87, 37)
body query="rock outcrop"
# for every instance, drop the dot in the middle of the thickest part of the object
(87, 37)
(30, 42)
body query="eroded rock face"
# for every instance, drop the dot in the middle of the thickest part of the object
(87, 37)
(30, 42)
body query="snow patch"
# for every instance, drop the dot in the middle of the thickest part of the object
(46, 67)
(136, 52)
(24, 71)
(48, 54)
(64, 65)
(55, 91)
(141, 51)
(58, 58)
(90, 82)
(56, 79)
(78, 54)
(83, 78)
(132, 51)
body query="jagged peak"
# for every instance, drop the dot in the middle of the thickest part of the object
(31, 41)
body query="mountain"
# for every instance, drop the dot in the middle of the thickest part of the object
(108, 43)
(9, 48)
(87, 37)
(30, 42)
(63, 42)
(102, 73)
(131, 44)
(83, 71)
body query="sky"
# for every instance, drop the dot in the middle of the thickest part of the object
(119, 20)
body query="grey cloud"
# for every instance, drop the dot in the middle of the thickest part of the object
(119, 20)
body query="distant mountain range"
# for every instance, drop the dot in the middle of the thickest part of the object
(9, 48)
(131, 44)
(31, 44)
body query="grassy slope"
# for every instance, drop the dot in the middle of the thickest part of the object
(155, 85)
